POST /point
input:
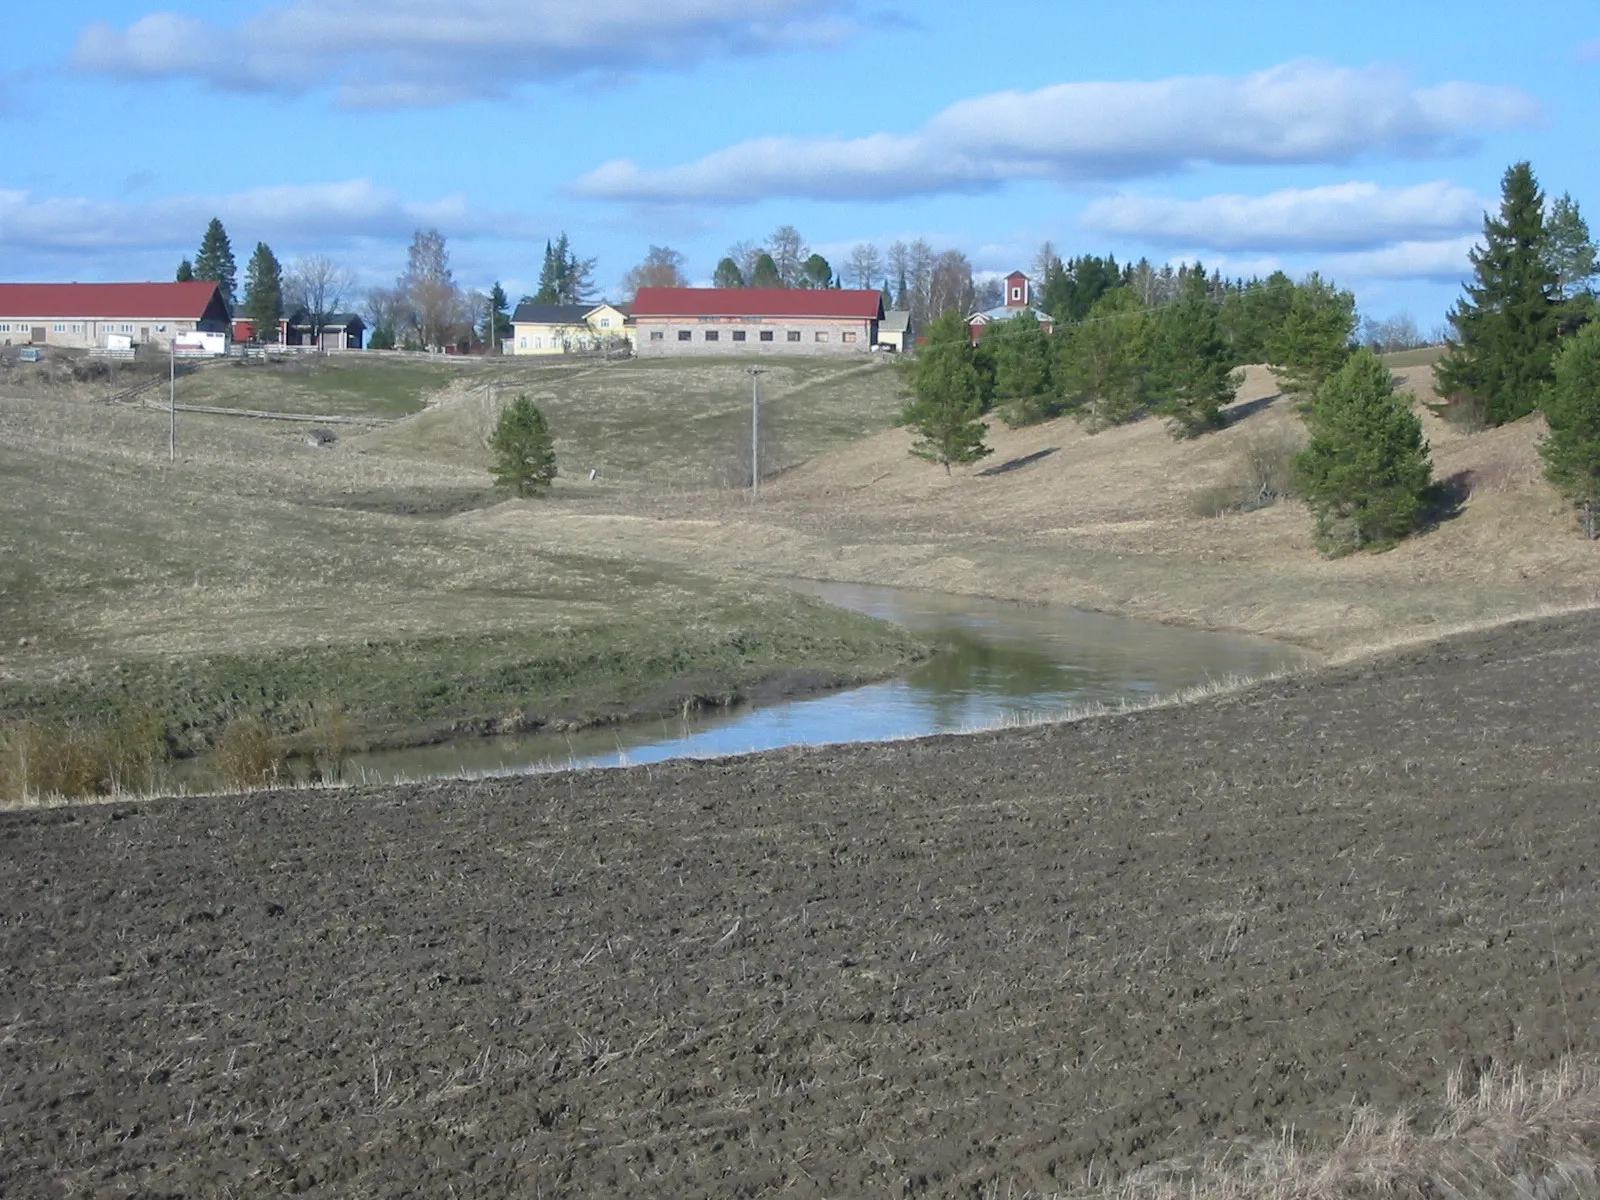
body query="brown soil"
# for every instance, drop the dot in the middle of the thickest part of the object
(946, 967)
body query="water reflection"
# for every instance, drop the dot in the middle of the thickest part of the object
(998, 661)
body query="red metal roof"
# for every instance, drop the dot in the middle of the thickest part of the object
(865, 305)
(107, 301)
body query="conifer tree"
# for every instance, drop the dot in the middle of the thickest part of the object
(1191, 372)
(727, 274)
(946, 396)
(1102, 364)
(765, 274)
(1571, 250)
(1366, 473)
(1571, 451)
(524, 451)
(1021, 351)
(263, 292)
(1313, 340)
(1505, 326)
(185, 272)
(215, 262)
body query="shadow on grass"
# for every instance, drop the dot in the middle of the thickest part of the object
(1249, 408)
(1016, 464)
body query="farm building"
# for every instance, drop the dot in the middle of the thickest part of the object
(560, 328)
(683, 321)
(85, 316)
(894, 331)
(1019, 299)
(340, 331)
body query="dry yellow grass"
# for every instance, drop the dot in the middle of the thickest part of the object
(1107, 522)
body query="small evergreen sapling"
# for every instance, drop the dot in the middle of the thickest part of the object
(1366, 473)
(525, 453)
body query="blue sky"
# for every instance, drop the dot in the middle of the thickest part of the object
(1359, 138)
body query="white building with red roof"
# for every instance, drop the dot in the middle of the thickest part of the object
(755, 321)
(83, 316)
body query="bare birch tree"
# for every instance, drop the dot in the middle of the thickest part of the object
(318, 286)
(864, 267)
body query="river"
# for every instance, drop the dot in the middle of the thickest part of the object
(999, 663)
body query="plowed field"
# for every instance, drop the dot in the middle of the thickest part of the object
(946, 967)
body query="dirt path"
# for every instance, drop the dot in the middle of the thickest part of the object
(925, 968)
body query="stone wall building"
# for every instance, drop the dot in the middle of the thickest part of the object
(755, 321)
(85, 316)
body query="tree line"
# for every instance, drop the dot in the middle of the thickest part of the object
(1135, 340)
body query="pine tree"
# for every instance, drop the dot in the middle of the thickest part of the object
(1366, 473)
(525, 452)
(215, 262)
(263, 292)
(765, 274)
(946, 396)
(1102, 364)
(1571, 249)
(1021, 351)
(185, 272)
(1571, 451)
(1506, 325)
(1313, 340)
(1191, 373)
(727, 274)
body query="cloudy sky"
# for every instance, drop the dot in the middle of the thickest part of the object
(1362, 139)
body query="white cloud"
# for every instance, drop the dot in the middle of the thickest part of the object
(1299, 112)
(391, 53)
(1343, 216)
(1443, 261)
(297, 216)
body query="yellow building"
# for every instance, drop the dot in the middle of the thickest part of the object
(568, 328)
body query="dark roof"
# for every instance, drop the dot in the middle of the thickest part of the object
(552, 314)
(866, 304)
(300, 318)
(108, 301)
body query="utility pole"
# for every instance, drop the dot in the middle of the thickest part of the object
(755, 431)
(172, 399)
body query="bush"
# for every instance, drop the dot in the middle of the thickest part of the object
(1263, 474)
(245, 755)
(329, 739)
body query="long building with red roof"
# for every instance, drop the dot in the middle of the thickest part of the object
(755, 321)
(83, 316)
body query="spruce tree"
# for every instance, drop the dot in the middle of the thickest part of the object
(1313, 340)
(1366, 473)
(185, 272)
(1505, 326)
(946, 396)
(215, 262)
(1191, 370)
(727, 274)
(550, 276)
(1571, 451)
(524, 451)
(263, 292)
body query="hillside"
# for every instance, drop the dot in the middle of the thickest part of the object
(1110, 521)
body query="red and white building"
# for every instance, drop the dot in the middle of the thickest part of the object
(85, 316)
(1018, 300)
(755, 321)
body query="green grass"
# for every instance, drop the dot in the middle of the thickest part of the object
(259, 575)
(333, 385)
(1423, 356)
(664, 423)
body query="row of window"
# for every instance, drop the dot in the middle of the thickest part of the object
(7, 327)
(739, 335)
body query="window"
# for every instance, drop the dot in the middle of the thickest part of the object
(127, 329)
(657, 335)
(711, 335)
(738, 335)
(847, 337)
(61, 328)
(522, 342)
(605, 322)
(766, 335)
(821, 335)
(5, 329)
(684, 335)
(794, 335)
(538, 343)
(1016, 293)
